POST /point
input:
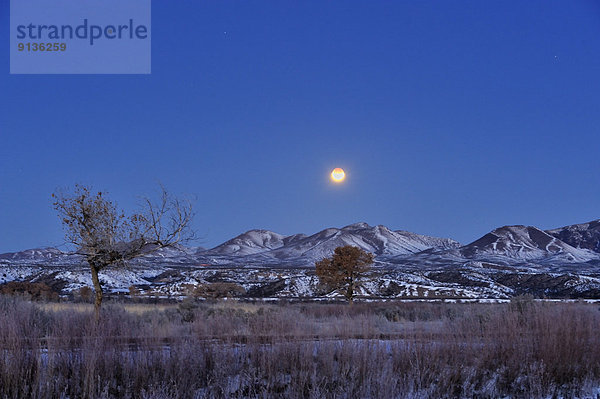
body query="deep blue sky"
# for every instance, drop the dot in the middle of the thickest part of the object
(450, 118)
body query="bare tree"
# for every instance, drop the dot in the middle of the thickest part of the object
(344, 269)
(106, 237)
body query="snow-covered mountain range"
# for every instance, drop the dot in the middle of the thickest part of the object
(508, 245)
(562, 262)
(299, 248)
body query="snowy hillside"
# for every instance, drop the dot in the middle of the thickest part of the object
(525, 243)
(39, 256)
(585, 235)
(251, 242)
(378, 239)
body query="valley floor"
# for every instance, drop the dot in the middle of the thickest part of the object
(474, 281)
(519, 349)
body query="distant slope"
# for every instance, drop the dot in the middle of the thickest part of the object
(33, 254)
(584, 235)
(248, 243)
(424, 242)
(39, 256)
(524, 243)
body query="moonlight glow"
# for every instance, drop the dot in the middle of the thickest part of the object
(338, 175)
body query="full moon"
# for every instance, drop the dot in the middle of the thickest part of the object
(338, 175)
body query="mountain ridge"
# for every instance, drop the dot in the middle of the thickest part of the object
(514, 244)
(507, 261)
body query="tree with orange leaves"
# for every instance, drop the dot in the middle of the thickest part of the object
(344, 270)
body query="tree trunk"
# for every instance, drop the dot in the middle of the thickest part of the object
(97, 289)
(350, 292)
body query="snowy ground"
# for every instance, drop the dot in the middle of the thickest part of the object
(178, 281)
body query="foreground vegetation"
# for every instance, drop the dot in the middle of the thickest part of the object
(239, 350)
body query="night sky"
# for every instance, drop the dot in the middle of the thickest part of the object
(449, 118)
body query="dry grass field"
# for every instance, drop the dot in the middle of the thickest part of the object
(522, 349)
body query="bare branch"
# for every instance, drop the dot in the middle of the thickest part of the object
(106, 237)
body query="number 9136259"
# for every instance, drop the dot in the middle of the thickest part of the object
(42, 46)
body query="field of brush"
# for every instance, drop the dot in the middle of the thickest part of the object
(521, 349)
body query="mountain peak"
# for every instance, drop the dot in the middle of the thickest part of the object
(250, 242)
(359, 225)
(524, 243)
